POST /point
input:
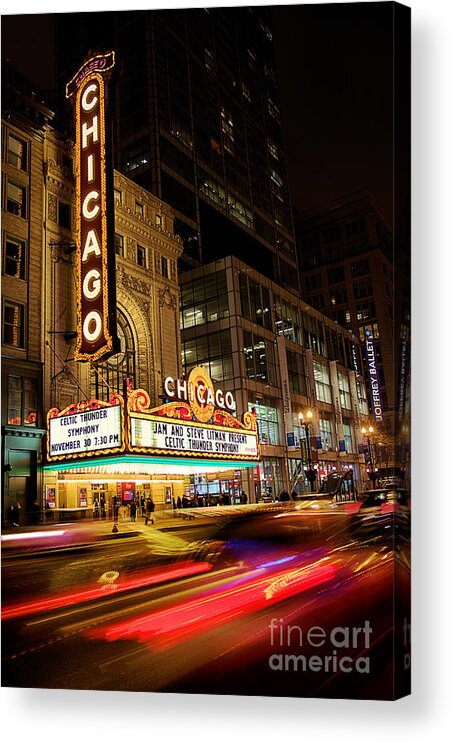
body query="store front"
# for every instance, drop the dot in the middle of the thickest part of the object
(191, 451)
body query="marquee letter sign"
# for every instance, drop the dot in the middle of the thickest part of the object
(96, 288)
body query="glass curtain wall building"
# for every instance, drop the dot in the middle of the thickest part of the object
(197, 123)
(259, 339)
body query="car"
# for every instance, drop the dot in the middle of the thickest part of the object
(383, 512)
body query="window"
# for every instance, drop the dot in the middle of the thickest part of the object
(141, 256)
(331, 235)
(164, 267)
(272, 148)
(314, 281)
(348, 436)
(273, 109)
(356, 227)
(344, 391)
(322, 382)
(204, 300)
(22, 401)
(119, 244)
(139, 208)
(214, 352)
(118, 196)
(259, 358)
(227, 128)
(17, 152)
(255, 301)
(64, 215)
(159, 220)
(117, 368)
(16, 200)
(361, 289)
(338, 296)
(360, 269)
(287, 320)
(267, 421)
(295, 367)
(326, 434)
(362, 402)
(317, 301)
(365, 310)
(13, 324)
(370, 329)
(14, 258)
(313, 334)
(336, 275)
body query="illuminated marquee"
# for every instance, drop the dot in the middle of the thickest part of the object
(85, 429)
(198, 424)
(96, 299)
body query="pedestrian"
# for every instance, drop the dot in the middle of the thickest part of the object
(179, 503)
(16, 513)
(150, 507)
(11, 515)
(244, 497)
(133, 511)
(294, 494)
(284, 496)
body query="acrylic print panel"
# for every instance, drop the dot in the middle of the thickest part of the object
(218, 500)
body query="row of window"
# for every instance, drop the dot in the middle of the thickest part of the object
(142, 256)
(140, 208)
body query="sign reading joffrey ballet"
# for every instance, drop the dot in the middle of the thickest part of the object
(96, 295)
(374, 379)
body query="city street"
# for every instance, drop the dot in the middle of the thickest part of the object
(216, 604)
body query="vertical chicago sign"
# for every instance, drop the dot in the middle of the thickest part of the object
(96, 288)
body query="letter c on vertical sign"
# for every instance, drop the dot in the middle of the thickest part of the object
(86, 104)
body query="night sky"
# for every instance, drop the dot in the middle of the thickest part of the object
(335, 70)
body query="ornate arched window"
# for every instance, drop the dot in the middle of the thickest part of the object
(109, 376)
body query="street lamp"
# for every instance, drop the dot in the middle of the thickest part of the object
(368, 432)
(305, 422)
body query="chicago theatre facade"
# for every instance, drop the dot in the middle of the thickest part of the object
(115, 388)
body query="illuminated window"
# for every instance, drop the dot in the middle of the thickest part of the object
(22, 401)
(158, 220)
(268, 423)
(227, 127)
(17, 152)
(344, 391)
(260, 361)
(13, 324)
(371, 329)
(272, 148)
(139, 208)
(326, 434)
(273, 109)
(119, 244)
(16, 200)
(322, 382)
(14, 258)
(118, 196)
(348, 436)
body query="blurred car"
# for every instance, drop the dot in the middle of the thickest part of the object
(384, 512)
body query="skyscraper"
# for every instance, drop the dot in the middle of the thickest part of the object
(197, 123)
